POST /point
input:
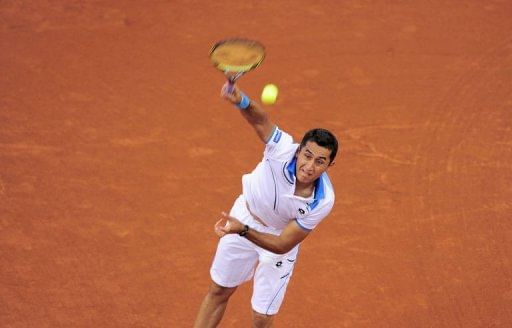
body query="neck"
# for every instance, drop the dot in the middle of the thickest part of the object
(304, 189)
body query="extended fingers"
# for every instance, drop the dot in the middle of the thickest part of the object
(219, 229)
(230, 91)
(224, 89)
(223, 228)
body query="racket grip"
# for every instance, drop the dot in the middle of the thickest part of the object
(231, 87)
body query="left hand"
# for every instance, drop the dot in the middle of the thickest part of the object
(227, 224)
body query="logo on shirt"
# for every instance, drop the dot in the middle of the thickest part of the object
(301, 211)
(278, 264)
(277, 137)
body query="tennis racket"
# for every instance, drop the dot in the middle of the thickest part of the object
(235, 57)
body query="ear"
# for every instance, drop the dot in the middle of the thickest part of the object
(332, 163)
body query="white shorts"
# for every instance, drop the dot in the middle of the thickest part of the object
(238, 260)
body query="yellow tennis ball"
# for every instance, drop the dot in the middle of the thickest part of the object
(269, 94)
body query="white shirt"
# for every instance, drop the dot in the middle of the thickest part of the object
(269, 189)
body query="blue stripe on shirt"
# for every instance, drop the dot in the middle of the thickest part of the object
(300, 225)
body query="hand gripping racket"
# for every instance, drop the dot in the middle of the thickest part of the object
(235, 57)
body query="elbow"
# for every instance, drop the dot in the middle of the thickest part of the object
(282, 249)
(278, 250)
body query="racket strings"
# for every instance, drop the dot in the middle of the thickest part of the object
(237, 55)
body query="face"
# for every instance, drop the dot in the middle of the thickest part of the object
(312, 161)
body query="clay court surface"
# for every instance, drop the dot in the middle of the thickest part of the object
(117, 156)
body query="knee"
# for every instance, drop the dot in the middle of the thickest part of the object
(219, 292)
(261, 320)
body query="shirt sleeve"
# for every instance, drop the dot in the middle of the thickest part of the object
(310, 221)
(278, 145)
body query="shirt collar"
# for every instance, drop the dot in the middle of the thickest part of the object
(291, 168)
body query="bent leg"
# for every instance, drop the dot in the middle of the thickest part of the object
(271, 280)
(261, 320)
(213, 306)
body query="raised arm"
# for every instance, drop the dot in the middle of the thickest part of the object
(255, 114)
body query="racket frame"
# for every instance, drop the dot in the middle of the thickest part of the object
(234, 72)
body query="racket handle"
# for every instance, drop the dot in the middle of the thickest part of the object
(231, 87)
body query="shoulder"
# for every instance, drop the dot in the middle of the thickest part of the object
(280, 145)
(321, 206)
(324, 191)
(328, 187)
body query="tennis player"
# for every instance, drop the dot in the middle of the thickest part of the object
(284, 198)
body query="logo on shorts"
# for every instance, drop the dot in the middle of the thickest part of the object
(278, 264)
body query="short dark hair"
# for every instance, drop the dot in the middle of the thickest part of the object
(323, 138)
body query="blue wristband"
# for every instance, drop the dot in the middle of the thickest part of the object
(244, 102)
